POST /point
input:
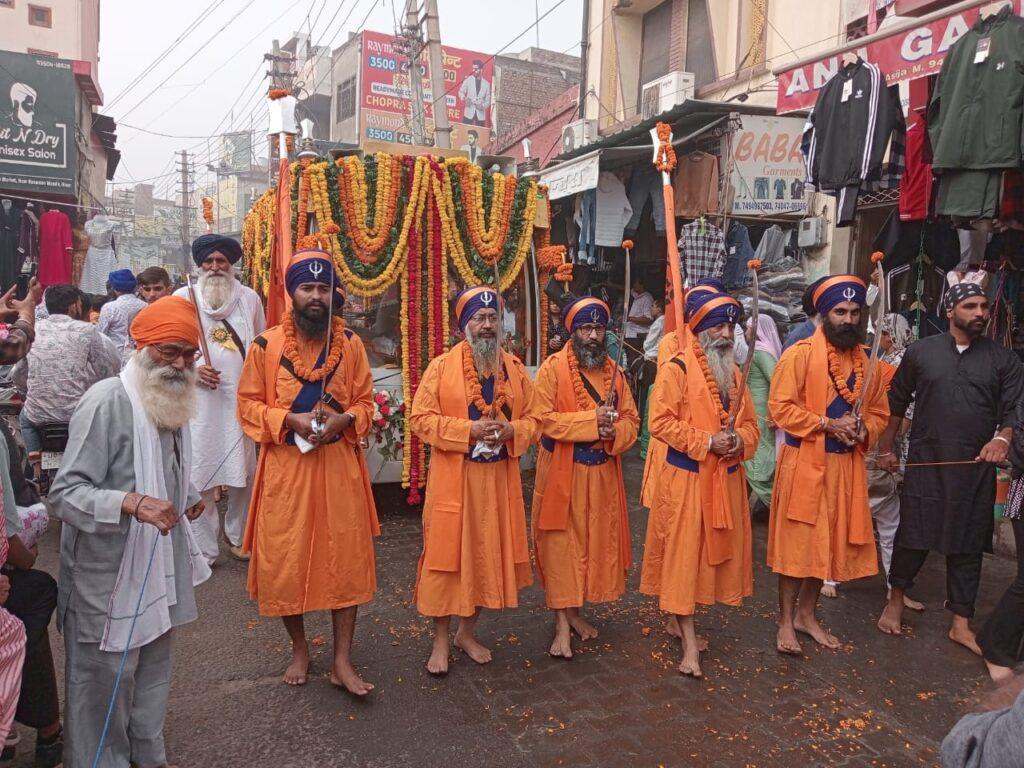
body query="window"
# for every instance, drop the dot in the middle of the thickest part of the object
(40, 16)
(346, 99)
(753, 23)
(700, 52)
(37, 52)
(6, 3)
(656, 36)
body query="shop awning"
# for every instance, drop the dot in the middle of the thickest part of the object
(572, 176)
(908, 50)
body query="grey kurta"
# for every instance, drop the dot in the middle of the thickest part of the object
(97, 472)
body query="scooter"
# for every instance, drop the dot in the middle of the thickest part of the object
(54, 440)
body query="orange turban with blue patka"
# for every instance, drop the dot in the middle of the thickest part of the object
(314, 266)
(585, 311)
(706, 310)
(472, 300)
(167, 320)
(837, 289)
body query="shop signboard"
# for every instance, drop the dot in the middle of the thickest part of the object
(384, 98)
(767, 167)
(572, 176)
(37, 124)
(236, 152)
(906, 55)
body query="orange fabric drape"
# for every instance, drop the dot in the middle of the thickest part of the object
(279, 303)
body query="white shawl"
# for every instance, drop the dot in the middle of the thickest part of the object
(145, 589)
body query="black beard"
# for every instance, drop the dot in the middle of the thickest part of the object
(311, 326)
(972, 330)
(843, 336)
(590, 357)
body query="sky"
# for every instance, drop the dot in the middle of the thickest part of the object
(213, 79)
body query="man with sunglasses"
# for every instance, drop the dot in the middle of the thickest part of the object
(124, 496)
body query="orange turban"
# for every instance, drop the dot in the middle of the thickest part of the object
(171, 318)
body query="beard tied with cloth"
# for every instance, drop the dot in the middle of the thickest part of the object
(465, 491)
(312, 521)
(697, 549)
(583, 551)
(820, 521)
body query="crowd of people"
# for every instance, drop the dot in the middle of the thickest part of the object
(175, 400)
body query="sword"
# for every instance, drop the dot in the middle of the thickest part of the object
(499, 336)
(627, 246)
(869, 373)
(199, 318)
(735, 407)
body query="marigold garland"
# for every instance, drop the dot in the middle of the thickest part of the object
(716, 395)
(583, 400)
(835, 372)
(665, 157)
(208, 212)
(290, 350)
(475, 390)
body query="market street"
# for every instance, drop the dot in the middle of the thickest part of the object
(879, 701)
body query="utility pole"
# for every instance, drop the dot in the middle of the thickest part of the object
(410, 42)
(186, 209)
(442, 128)
(282, 75)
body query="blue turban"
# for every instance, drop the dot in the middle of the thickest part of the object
(204, 245)
(472, 300)
(711, 282)
(585, 311)
(122, 280)
(706, 310)
(837, 289)
(314, 266)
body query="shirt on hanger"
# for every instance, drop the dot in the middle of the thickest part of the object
(702, 250)
(695, 185)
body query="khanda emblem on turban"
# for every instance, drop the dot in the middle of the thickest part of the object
(731, 314)
(315, 269)
(595, 316)
(849, 294)
(486, 298)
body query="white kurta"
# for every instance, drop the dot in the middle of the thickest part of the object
(215, 428)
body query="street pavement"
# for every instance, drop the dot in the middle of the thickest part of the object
(878, 701)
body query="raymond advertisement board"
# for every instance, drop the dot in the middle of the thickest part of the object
(914, 52)
(37, 124)
(468, 78)
(768, 170)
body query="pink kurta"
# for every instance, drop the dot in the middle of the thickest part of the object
(54, 248)
(12, 657)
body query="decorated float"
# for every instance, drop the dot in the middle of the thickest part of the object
(406, 232)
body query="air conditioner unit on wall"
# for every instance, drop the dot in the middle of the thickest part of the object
(578, 134)
(661, 95)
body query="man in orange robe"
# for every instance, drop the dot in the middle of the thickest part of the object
(312, 522)
(478, 421)
(698, 547)
(820, 522)
(580, 522)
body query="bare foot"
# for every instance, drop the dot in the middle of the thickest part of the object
(889, 621)
(998, 673)
(965, 638)
(298, 670)
(472, 648)
(672, 627)
(786, 642)
(690, 665)
(345, 676)
(912, 604)
(582, 627)
(561, 646)
(820, 635)
(829, 590)
(437, 664)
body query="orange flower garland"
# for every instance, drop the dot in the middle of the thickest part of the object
(583, 400)
(369, 241)
(835, 373)
(665, 158)
(302, 370)
(716, 396)
(474, 389)
(208, 211)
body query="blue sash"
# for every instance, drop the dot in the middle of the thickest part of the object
(487, 390)
(680, 460)
(309, 396)
(836, 409)
(582, 453)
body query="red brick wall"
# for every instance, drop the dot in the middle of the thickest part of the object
(677, 49)
(525, 87)
(543, 128)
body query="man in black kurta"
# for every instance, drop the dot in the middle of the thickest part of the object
(965, 387)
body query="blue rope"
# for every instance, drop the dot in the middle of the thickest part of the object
(131, 627)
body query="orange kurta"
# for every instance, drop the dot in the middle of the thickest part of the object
(312, 520)
(820, 522)
(698, 545)
(587, 559)
(475, 552)
(668, 348)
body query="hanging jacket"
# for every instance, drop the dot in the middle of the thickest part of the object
(844, 141)
(975, 115)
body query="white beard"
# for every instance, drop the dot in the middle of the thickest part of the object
(216, 289)
(168, 395)
(721, 361)
(484, 353)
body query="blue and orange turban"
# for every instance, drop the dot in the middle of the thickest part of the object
(837, 289)
(314, 266)
(711, 282)
(585, 310)
(472, 300)
(706, 310)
